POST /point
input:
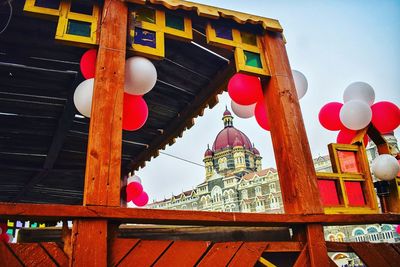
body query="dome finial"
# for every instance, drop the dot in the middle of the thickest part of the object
(227, 118)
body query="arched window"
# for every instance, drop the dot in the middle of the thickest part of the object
(258, 191)
(372, 229)
(244, 194)
(331, 237)
(340, 237)
(216, 194)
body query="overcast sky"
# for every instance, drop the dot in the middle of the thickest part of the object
(334, 43)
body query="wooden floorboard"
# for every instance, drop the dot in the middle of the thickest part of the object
(368, 253)
(220, 254)
(7, 258)
(56, 253)
(248, 254)
(119, 249)
(32, 254)
(183, 253)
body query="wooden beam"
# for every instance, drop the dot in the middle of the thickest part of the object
(316, 245)
(284, 246)
(103, 161)
(63, 127)
(42, 212)
(292, 152)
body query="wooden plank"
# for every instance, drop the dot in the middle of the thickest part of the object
(303, 259)
(32, 254)
(294, 162)
(316, 245)
(103, 161)
(183, 253)
(40, 212)
(89, 243)
(56, 253)
(119, 249)
(388, 252)
(220, 254)
(284, 246)
(339, 246)
(7, 258)
(248, 254)
(396, 247)
(370, 256)
(145, 253)
(332, 263)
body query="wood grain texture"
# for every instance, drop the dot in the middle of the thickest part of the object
(7, 258)
(183, 253)
(316, 245)
(388, 253)
(119, 248)
(303, 259)
(292, 151)
(89, 243)
(42, 212)
(368, 253)
(220, 254)
(284, 246)
(32, 254)
(248, 254)
(103, 161)
(145, 253)
(56, 253)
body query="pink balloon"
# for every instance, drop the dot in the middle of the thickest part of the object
(346, 135)
(88, 63)
(244, 89)
(385, 116)
(398, 229)
(329, 116)
(135, 112)
(261, 115)
(133, 190)
(141, 200)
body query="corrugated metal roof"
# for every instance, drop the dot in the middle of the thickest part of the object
(216, 12)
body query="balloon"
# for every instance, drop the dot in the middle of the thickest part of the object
(300, 83)
(88, 63)
(83, 97)
(329, 116)
(398, 229)
(359, 91)
(135, 112)
(242, 111)
(4, 237)
(245, 89)
(133, 190)
(345, 136)
(355, 114)
(385, 116)
(141, 200)
(262, 116)
(140, 76)
(134, 178)
(385, 167)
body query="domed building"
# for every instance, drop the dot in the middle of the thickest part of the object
(232, 152)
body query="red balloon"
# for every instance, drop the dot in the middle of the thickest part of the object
(4, 237)
(398, 229)
(88, 63)
(135, 112)
(260, 112)
(329, 116)
(133, 190)
(346, 135)
(385, 116)
(245, 89)
(141, 200)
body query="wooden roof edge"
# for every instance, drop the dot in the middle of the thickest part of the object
(216, 13)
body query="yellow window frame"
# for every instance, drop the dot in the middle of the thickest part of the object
(341, 177)
(186, 34)
(32, 8)
(66, 15)
(240, 47)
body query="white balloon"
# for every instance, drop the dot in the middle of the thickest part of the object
(83, 97)
(300, 82)
(243, 111)
(359, 91)
(134, 178)
(385, 167)
(140, 76)
(355, 114)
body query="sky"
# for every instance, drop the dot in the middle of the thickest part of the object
(333, 43)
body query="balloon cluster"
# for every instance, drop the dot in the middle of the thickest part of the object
(357, 112)
(135, 193)
(4, 236)
(140, 78)
(247, 98)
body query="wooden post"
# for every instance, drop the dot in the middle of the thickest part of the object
(292, 152)
(103, 163)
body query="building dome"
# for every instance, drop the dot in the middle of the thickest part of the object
(208, 152)
(230, 136)
(255, 151)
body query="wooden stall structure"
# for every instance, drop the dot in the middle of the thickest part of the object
(196, 49)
